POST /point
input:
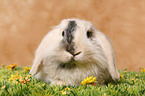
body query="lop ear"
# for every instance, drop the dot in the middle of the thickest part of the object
(45, 46)
(109, 52)
(37, 66)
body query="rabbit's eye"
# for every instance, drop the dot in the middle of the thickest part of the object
(89, 34)
(63, 33)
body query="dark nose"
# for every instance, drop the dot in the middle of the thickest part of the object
(70, 49)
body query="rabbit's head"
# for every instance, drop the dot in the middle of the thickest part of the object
(78, 43)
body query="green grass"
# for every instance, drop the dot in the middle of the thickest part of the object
(131, 84)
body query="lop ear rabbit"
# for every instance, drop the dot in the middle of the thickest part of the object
(72, 51)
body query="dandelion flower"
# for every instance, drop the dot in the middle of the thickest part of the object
(27, 79)
(12, 66)
(104, 94)
(11, 79)
(29, 76)
(21, 80)
(27, 68)
(89, 80)
(14, 77)
(131, 82)
(63, 92)
(142, 69)
(132, 79)
(120, 75)
(136, 75)
(43, 84)
(67, 88)
(125, 71)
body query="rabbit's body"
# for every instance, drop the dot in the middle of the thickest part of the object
(72, 51)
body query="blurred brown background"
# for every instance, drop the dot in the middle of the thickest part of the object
(23, 23)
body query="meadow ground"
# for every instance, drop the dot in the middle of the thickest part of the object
(16, 81)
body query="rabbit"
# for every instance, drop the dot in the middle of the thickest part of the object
(72, 51)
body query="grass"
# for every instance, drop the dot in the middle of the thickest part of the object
(16, 81)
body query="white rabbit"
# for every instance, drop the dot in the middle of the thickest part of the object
(72, 51)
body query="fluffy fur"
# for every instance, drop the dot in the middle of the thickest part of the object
(96, 58)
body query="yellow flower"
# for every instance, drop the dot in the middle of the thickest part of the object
(63, 92)
(27, 68)
(29, 76)
(120, 75)
(67, 88)
(104, 94)
(11, 79)
(89, 80)
(136, 75)
(43, 84)
(12, 66)
(27, 79)
(3, 87)
(142, 69)
(21, 80)
(14, 77)
(125, 71)
(132, 79)
(131, 83)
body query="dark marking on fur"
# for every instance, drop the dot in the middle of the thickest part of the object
(70, 31)
(69, 36)
(69, 65)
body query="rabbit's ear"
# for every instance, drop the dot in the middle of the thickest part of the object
(109, 52)
(37, 66)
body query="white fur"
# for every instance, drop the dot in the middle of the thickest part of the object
(96, 58)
